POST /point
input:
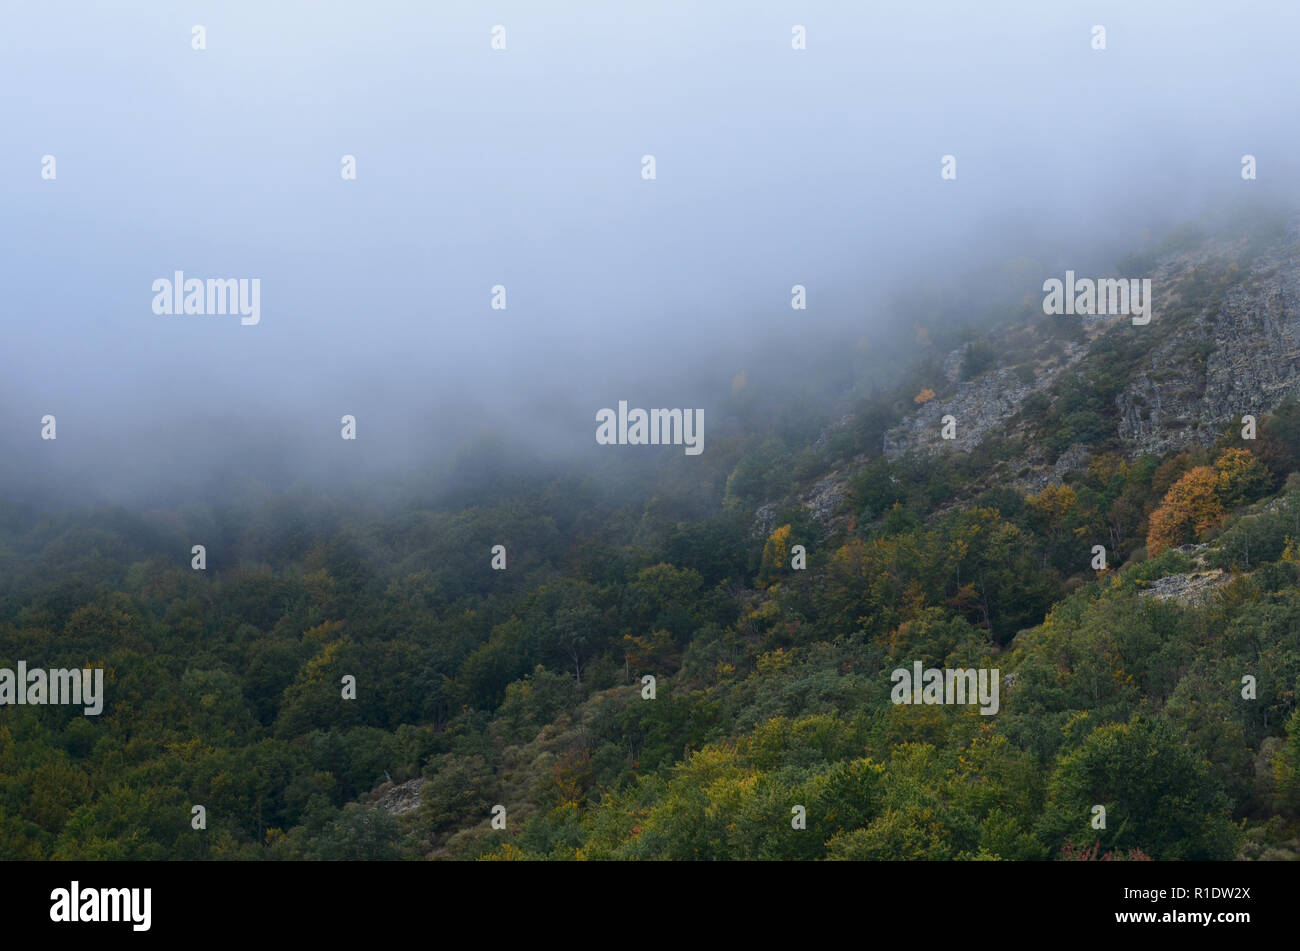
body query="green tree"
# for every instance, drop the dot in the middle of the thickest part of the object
(1158, 793)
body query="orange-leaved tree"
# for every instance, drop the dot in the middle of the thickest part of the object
(1191, 506)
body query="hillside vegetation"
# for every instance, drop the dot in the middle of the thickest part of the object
(1161, 688)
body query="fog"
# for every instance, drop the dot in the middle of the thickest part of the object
(522, 167)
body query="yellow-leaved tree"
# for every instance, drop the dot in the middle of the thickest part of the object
(775, 552)
(1242, 477)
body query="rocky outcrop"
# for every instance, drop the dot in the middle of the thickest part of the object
(978, 406)
(398, 799)
(1238, 357)
(1074, 458)
(1195, 587)
(825, 498)
(1226, 344)
(823, 501)
(1223, 342)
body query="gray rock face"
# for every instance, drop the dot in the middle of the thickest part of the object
(979, 406)
(825, 498)
(1194, 587)
(952, 364)
(1074, 458)
(1225, 345)
(1241, 357)
(399, 799)
(1239, 354)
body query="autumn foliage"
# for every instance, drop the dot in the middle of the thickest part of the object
(775, 552)
(1190, 507)
(1242, 477)
(1197, 501)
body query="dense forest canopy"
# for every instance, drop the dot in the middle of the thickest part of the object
(516, 677)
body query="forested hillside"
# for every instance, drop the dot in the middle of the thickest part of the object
(826, 537)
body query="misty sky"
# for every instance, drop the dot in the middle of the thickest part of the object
(523, 167)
